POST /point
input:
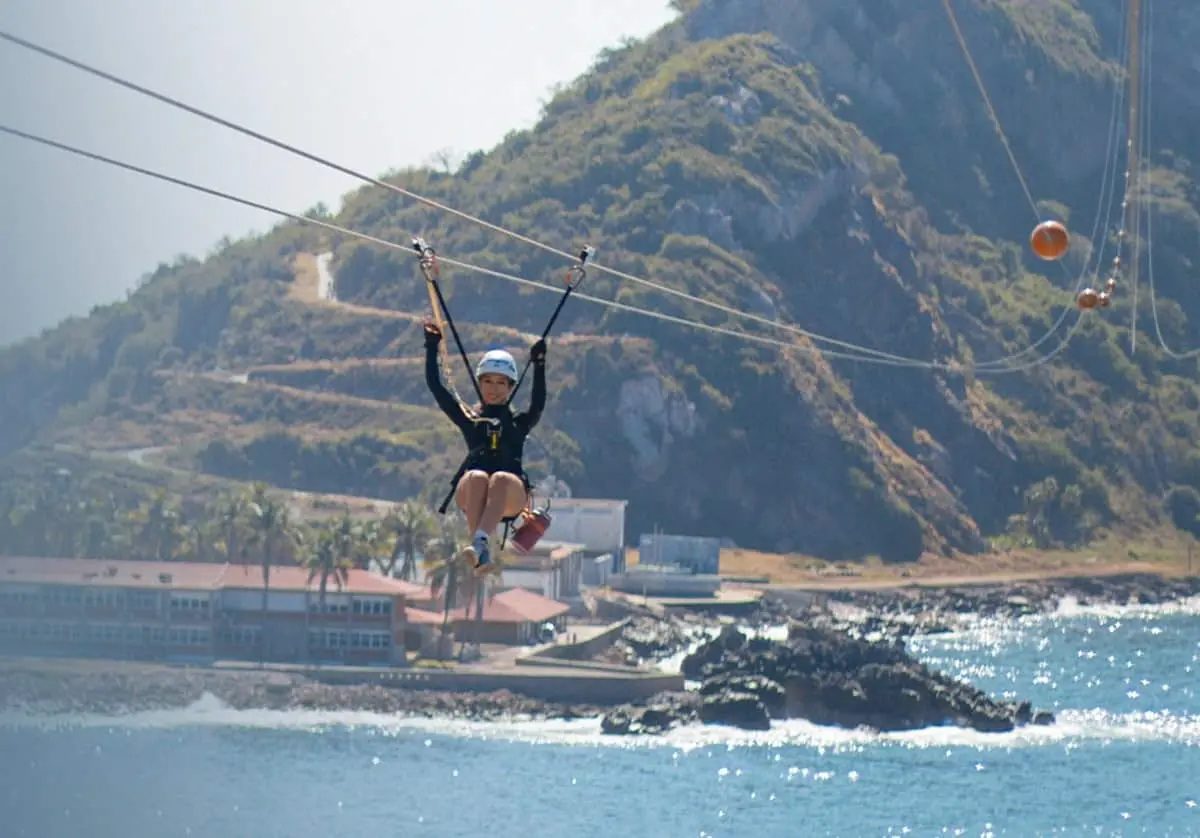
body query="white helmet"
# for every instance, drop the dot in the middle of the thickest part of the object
(497, 361)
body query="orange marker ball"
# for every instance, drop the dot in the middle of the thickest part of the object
(1050, 240)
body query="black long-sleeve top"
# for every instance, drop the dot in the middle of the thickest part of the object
(496, 434)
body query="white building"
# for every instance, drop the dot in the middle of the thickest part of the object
(597, 525)
(553, 570)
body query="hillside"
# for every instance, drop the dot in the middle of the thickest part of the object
(822, 163)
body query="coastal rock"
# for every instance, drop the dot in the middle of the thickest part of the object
(660, 714)
(736, 709)
(651, 639)
(745, 702)
(769, 694)
(832, 678)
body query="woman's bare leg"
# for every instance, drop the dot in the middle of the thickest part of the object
(472, 497)
(505, 497)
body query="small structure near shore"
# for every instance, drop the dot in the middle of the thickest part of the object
(512, 618)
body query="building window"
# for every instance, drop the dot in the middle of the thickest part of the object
(241, 636)
(373, 607)
(187, 636)
(98, 599)
(143, 601)
(314, 607)
(336, 639)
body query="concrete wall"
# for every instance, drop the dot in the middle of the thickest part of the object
(569, 687)
(582, 666)
(618, 608)
(586, 649)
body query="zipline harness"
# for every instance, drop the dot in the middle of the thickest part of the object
(429, 269)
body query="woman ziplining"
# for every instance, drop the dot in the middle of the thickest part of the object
(491, 486)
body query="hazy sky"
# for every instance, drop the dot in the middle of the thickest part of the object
(371, 84)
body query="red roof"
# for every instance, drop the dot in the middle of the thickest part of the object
(194, 576)
(517, 605)
(292, 578)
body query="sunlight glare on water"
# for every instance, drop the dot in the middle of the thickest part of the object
(1122, 760)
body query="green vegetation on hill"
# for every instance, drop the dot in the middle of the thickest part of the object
(829, 164)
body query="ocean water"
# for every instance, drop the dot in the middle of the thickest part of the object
(1123, 759)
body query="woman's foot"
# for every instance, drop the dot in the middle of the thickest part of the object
(480, 553)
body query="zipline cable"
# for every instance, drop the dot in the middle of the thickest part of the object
(613, 304)
(1148, 128)
(1108, 178)
(1134, 167)
(813, 336)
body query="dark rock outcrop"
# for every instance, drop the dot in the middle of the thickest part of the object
(828, 677)
(832, 678)
(649, 639)
(736, 709)
(659, 715)
(768, 693)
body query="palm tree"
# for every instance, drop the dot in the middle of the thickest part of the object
(444, 571)
(353, 545)
(270, 531)
(479, 589)
(324, 561)
(409, 525)
(158, 528)
(231, 512)
(197, 543)
(353, 540)
(443, 563)
(369, 542)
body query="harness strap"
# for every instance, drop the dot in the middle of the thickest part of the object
(575, 275)
(429, 268)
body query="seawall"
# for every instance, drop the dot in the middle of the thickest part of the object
(557, 684)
